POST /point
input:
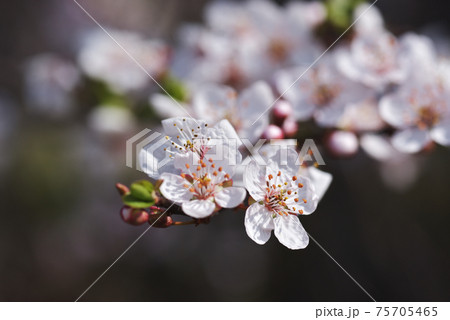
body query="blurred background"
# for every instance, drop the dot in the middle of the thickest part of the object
(60, 224)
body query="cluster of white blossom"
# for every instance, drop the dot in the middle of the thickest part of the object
(388, 94)
(372, 82)
(256, 70)
(197, 163)
(250, 54)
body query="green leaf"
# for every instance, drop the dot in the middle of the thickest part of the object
(175, 88)
(340, 12)
(106, 96)
(134, 203)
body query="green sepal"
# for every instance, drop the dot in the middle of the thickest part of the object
(134, 203)
(158, 184)
(142, 190)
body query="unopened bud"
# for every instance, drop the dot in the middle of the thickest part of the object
(134, 216)
(342, 143)
(282, 110)
(123, 189)
(273, 132)
(290, 127)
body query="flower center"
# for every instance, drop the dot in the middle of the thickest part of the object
(380, 55)
(204, 179)
(188, 139)
(235, 76)
(282, 195)
(324, 94)
(278, 50)
(428, 117)
(429, 106)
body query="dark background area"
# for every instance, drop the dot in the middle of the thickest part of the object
(60, 224)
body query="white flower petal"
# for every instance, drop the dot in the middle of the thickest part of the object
(303, 108)
(290, 232)
(396, 111)
(285, 160)
(441, 134)
(378, 147)
(258, 223)
(252, 104)
(321, 180)
(183, 160)
(213, 102)
(172, 125)
(153, 160)
(230, 197)
(419, 56)
(368, 21)
(255, 180)
(172, 188)
(331, 115)
(198, 208)
(308, 193)
(410, 140)
(167, 107)
(229, 131)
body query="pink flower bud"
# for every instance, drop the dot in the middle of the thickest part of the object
(123, 190)
(282, 110)
(273, 132)
(342, 143)
(290, 127)
(134, 216)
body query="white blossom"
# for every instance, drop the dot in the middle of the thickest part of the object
(101, 58)
(321, 180)
(203, 186)
(245, 42)
(322, 92)
(111, 119)
(281, 195)
(420, 112)
(215, 102)
(50, 82)
(374, 60)
(185, 136)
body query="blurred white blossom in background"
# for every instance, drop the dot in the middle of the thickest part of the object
(50, 83)
(111, 61)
